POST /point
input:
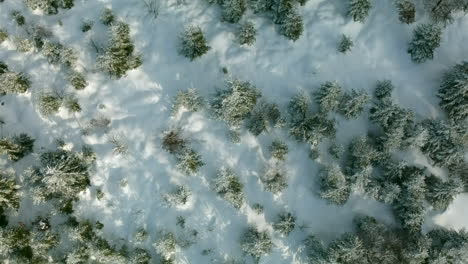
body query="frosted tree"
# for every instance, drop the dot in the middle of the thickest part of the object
(72, 104)
(353, 103)
(278, 150)
(228, 186)
(166, 245)
(173, 142)
(359, 9)
(336, 150)
(313, 128)
(389, 116)
(426, 38)
(49, 103)
(9, 193)
(78, 80)
(329, 96)
(406, 11)
(291, 26)
(440, 194)
(233, 10)
(346, 44)
(274, 179)
(16, 147)
(256, 243)
(189, 99)
(264, 117)
(454, 92)
(193, 43)
(333, 185)
(262, 5)
(285, 223)
(18, 17)
(362, 154)
(179, 196)
(347, 249)
(120, 56)
(448, 246)
(3, 35)
(50, 7)
(315, 250)
(236, 102)
(246, 34)
(189, 161)
(384, 89)
(441, 145)
(12, 82)
(107, 16)
(442, 11)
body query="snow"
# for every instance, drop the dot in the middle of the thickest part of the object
(139, 106)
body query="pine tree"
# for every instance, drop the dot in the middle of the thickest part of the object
(3, 68)
(18, 17)
(278, 150)
(406, 11)
(233, 10)
(264, 117)
(353, 103)
(315, 250)
(312, 129)
(72, 105)
(383, 90)
(16, 147)
(236, 102)
(347, 249)
(454, 92)
(193, 43)
(359, 9)
(346, 44)
(329, 96)
(256, 243)
(285, 223)
(179, 196)
(448, 246)
(262, 5)
(189, 161)
(9, 193)
(50, 7)
(291, 26)
(107, 16)
(246, 34)
(119, 57)
(274, 179)
(333, 185)
(12, 82)
(78, 81)
(190, 99)
(440, 194)
(228, 186)
(441, 11)
(3, 35)
(166, 245)
(49, 104)
(426, 38)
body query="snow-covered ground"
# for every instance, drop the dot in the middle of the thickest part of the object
(139, 107)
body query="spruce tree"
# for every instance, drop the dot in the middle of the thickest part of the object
(442, 11)
(454, 92)
(291, 26)
(384, 89)
(264, 117)
(12, 82)
(166, 245)
(246, 34)
(9, 193)
(189, 161)
(49, 103)
(347, 249)
(448, 246)
(16, 147)
(359, 9)
(333, 185)
(278, 150)
(120, 56)
(107, 16)
(426, 38)
(440, 194)
(233, 10)
(193, 43)
(228, 186)
(256, 243)
(329, 96)
(346, 44)
(3, 35)
(190, 99)
(353, 103)
(78, 81)
(406, 11)
(274, 179)
(285, 223)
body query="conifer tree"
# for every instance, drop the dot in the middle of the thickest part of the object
(383, 90)
(246, 34)
(190, 99)
(347, 249)
(454, 92)
(333, 185)
(16, 147)
(291, 26)
(119, 57)
(78, 81)
(406, 11)
(426, 38)
(440, 194)
(353, 103)
(256, 243)
(359, 9)
(264, 117)
(3, 35)
(9, 193)
(228, 186)
(278, 150)
(49, 103)
(329, 96)
(442, 11)
(448, 246)
(12, 82)
(189, 161)
(285, 223)
(346, 44)
(233, 10)
(193, 43)
(107, 16)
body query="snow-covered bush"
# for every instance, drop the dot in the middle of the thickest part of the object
(56, 53)
(359, 9)
(166, 245)
(246, 34)
(426, 38)
(72, 105)
(49, 103)
(329, 96)
(235, 103)
(233, 10)
(228, 186)
(18, 17)
(50, 7)
(178, 196)
(406, 11)
(190, 99)
(285, 223)
(383, 90)
(454, 92)
(346, 44)
(274, 179)
(353, 103)
(78, 80)
(16, 147)
(278, 150)
(13, 82)
(119, 57)
(193, 43)
(256, 243)
(333, 185)
(107, 16)
(189, 161)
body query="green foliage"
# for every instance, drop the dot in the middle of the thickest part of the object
(278, 150)
(189, 161)
(383, 90)
(359, 10)
(291, 26)
(406, 11)
(18, 17)
(17, 147)
(236, 102)
(453, 92)
(285, 223)
(173, 142)
(336, 150)
(256, 243)
(86, 25)
(426, 38)
(190, 99)
(119, 57)
(246, 34)
(179, 196)
(12, 82)
(329, 96)
(264, 117)
(9, 193)
(50, 7)
(440, 194)
(3, 35)
(441, 11)
(193, 43)
(233, 10)
(448, 246)
(347, 249)
(228, 186)
(333, 185)
(166, 245)
(56, 53)
(353, 103)
(275, 180)
(107, 16)
(346, 44)
(72, 105)
(78, 81)
(49, 103)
